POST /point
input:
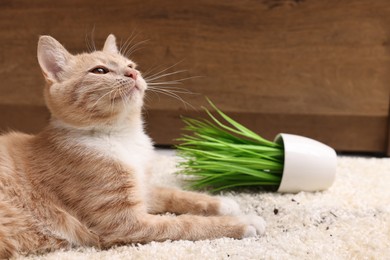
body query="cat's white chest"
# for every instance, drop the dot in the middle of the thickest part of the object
(133, 150)
(129, 146)
(136, 154)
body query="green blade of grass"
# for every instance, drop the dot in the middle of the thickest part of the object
(223, 156)
(241, 129)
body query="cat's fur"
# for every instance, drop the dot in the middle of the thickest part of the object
(83, 181)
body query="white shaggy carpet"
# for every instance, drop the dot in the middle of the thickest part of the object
(351, 220)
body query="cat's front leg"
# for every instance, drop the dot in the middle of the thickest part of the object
(184, 202)
(145, 228)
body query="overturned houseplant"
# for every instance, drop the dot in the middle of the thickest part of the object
(222, 154)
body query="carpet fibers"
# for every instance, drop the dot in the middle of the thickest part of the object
(351, 220)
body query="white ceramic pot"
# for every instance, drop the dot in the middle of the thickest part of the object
(308, 164)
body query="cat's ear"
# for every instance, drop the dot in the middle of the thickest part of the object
(110, 44)
(52, 57)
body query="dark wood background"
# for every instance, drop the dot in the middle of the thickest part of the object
(310, 67)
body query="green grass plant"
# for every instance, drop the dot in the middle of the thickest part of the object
(222, 154)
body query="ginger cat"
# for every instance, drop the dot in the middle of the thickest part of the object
(83, 181)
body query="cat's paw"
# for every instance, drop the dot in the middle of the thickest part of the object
(228, 207)
(255, 225)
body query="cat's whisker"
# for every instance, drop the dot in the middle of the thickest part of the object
(120, 91)
(147, 98)
(93, 90)
(173, 90)
(164, 83)
(164, 70)
(176, 81)
(93, 38)
(154, 93)
(168, 83)
(173, 95)
(134, 51)
(125, 99)
(128, 42)
(96, 88)
(90, 41)
(149, 71)
(185, 103)
(94, 106)
(104, 95)
(133, 48)
(124, 44)
(149, 79)
(168, 87)
(89, 47)
(117, 88)
(165, 87)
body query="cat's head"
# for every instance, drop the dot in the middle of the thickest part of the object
(90, 89)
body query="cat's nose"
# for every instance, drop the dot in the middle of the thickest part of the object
(131, 73)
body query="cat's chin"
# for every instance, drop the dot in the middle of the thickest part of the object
(125, 94)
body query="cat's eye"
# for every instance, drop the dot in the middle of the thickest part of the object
(99, 70)
(132, 66)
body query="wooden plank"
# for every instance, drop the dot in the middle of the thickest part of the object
(28, 119)
(273, 58)
(344, 133)
(296, 59)
(388, 132)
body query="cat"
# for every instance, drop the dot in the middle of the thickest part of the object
(84, 179)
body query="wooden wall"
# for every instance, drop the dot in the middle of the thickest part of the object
(311, 67)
